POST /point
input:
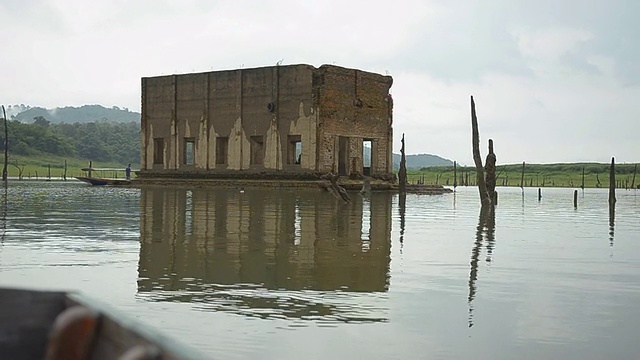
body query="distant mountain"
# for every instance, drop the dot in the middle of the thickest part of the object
(413, 161)
(417, 161)
(70, 114)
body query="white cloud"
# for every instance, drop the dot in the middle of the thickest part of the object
(547, 79)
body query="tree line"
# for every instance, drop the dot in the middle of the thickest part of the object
(100, 141)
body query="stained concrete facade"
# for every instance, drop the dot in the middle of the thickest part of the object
(280, 122)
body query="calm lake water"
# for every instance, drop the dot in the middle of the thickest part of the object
(291, 274)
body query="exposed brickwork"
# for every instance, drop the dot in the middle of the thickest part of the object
(332, 110)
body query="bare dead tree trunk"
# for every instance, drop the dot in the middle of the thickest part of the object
(6, 146)
(402, 172)
(20, 169)
(612, 182)
(475, 142)
(490, 169)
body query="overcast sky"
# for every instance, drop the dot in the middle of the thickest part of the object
(554, 81)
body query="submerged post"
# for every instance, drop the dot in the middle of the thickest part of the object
(522, 177)
(612, 182)
(455, 178)
(485, 199)
(90, 166)
(633, 181)
(582, 185)
(575, 198)
(539, 194)
(402, 172)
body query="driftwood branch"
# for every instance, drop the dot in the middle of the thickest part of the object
(333, 187)
(475, 142)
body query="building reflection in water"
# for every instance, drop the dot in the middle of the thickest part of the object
(266, 253)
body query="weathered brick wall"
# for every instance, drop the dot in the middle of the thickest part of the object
(318, 105)
(353, 104)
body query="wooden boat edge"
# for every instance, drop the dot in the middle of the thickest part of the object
(133, 328)
(28, 316)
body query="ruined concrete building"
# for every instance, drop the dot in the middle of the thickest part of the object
(278, 122)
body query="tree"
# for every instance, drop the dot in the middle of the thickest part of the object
(41, 121)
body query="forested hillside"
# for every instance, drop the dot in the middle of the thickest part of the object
(98, 141)
(70, 114)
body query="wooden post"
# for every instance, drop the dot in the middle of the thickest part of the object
(485, 199)
(90, 166)
(64, 176)
(633, 181)
(402, 173)
(455, 179)
(522, 177)
(582, 185)
(539, 194)
(612, 182)
(6, 146)
(575, 198)
(49, 171)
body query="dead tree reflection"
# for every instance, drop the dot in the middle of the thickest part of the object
(484, 232)
(402, 207)
(4, 211)
(612, 220)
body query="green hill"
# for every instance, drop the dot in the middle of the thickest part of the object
(82, 114)
(417, 161)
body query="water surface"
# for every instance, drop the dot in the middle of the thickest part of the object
(291, 274)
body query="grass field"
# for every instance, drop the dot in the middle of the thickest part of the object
(43, 167)
(535, 175)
